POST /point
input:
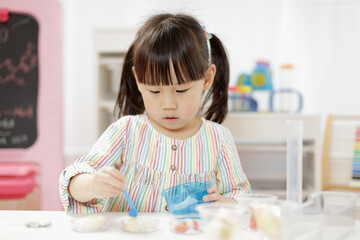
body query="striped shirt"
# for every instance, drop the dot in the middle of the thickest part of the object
(153, 162)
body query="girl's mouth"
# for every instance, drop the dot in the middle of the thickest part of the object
(170, 118)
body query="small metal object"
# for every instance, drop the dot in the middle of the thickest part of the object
(173, 167)
(38, 224)
(174, 147)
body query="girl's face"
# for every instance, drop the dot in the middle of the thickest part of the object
(173, 109)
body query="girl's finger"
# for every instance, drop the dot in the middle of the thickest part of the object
(118, 175)
(212, 189)
(114, 173)
(116, 183)
(112, 190)
(211, 197)
(115, 191)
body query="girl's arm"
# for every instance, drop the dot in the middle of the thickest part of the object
(106, 182)
(232, 181)
(80, 187)
(86, 183)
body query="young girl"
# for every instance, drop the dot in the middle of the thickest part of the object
(161, 138)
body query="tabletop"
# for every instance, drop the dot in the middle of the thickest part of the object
(13, 227)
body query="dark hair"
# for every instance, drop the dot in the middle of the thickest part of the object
(178, 41)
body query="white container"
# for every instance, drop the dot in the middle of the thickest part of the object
(286, 82)
(335, 211)
(234, 97)
(324, 216)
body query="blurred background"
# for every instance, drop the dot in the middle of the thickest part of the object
(311, 45)
(319, 38)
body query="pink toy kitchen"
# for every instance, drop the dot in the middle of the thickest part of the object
(31, 155)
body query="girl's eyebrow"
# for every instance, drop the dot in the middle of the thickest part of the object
(183, 84)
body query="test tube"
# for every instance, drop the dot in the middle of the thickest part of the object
(294, 161)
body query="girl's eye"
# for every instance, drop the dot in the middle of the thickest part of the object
(181, 91)
(154, 92)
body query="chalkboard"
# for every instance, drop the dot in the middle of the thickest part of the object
(19, 80)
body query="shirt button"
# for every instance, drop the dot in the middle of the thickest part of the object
(173, 167)
(174, 147)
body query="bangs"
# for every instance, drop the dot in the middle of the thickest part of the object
(170, 51)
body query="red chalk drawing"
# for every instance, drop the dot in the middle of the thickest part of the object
(21, 112)
(27, 62)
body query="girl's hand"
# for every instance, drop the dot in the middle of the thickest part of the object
(107, 182)
(215, 196)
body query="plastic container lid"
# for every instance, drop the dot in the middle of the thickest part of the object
(262, 63)
(286, 66)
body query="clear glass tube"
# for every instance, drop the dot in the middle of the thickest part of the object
(294, 161)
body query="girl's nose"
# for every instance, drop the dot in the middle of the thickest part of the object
(169, 102)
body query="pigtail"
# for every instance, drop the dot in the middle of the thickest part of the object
(219, 90)
(129, 100)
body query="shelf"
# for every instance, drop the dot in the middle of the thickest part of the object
(268, 145)
(113, 40)
(261, 141)
(107, 60)
(108, 102)
(110, 47)
(344, 188)
(282, 193)
(269, 148)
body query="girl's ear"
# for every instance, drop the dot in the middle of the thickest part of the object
(209, 77)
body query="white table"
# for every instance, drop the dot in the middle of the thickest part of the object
(61, 228)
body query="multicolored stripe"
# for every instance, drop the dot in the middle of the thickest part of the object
(207, 35)
(146, 157)
(356, 159)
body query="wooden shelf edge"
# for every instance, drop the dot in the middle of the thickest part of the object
(341, 187)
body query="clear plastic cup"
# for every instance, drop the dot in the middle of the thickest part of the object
(247, 200)
(223, 220)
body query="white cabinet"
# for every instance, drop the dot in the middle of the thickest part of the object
(261, 141)
(111, 46)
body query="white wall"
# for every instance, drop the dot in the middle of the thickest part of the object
(320, 38)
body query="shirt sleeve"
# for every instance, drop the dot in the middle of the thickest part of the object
(106, 151)
(232, 182)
